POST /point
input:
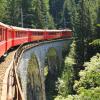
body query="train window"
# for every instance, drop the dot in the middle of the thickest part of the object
(58, 33)
(0, 34)
(0, 30)
(24, 33)
(52, 33)
(40, 33)
(35, 33)
(21, 34)
(9, 34)
(3, 35)
(17, 34)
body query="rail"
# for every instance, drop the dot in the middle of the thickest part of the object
(11, 88)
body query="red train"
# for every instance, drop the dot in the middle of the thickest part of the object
(11, 36)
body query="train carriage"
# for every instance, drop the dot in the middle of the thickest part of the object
(37, 34)
(20, 35)
(53, 34)
(11, 36)
(5, 38)
(66, 33)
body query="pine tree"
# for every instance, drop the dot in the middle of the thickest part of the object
(42, 16)
(56, 7)
(13, 12)
(3, 4)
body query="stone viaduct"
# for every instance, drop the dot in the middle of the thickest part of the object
(31, 69)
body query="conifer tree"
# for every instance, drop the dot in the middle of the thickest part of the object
(13, 12)
(3, 4)
(56, 8)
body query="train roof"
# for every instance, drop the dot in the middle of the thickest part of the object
(48, 30)
(39, 30)
(4, 25)
(35, 30)
(19, 28)
(62, 30)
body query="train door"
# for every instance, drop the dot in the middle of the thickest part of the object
(9, 38)
(45, 34)
(29, 36)
(2, 41)
(13, 36)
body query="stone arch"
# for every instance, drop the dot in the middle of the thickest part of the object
(34, 88)
(51, 59)
(40, 53)
(51, 70)
(30, 79)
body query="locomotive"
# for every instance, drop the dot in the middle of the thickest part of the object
(11, 36)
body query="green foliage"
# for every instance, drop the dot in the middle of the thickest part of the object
(70, 13)
(82, 16)
(88, 87)
(35, 13)
(90, 77)
(3, 4)
(98, 25)
(66, 81)
(91, 94)
(56, 9)
(60, 98)
(43, 19)
(13, 12)
(45, 71)
(95, 42)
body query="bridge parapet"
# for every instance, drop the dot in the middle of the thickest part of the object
(11, 87)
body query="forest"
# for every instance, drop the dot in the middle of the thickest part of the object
(80, 77)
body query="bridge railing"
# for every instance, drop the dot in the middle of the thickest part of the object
(11, 86)
(14, 87)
